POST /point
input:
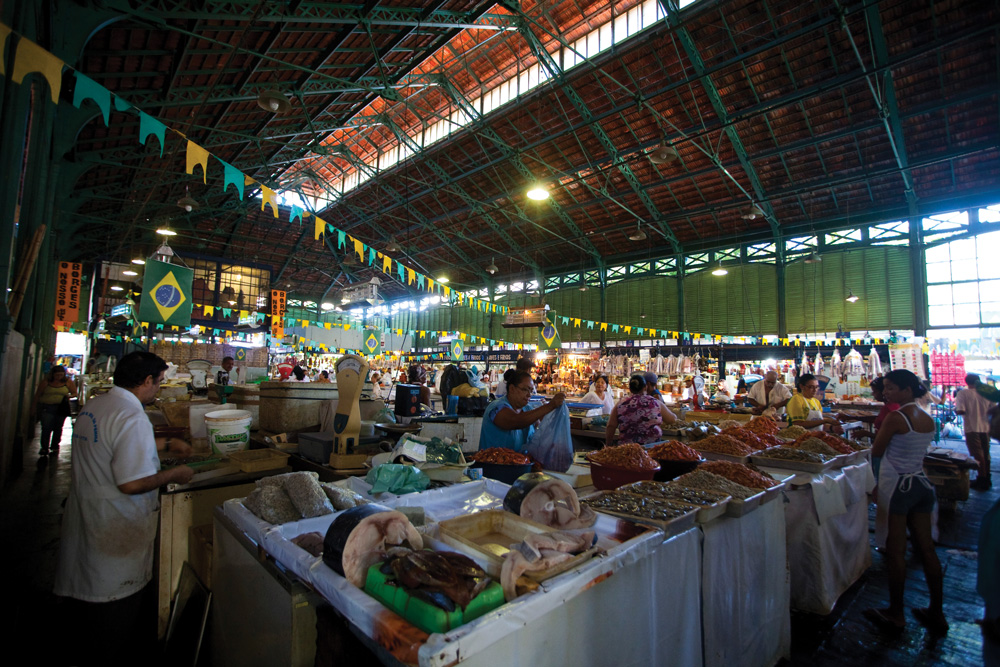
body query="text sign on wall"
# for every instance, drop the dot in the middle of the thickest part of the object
(278, 313)
(68, 292)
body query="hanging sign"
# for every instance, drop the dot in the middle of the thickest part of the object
(68, 293)
(278, 298)
(548, 335)
(166, 290)
(373, 343)
(457, 350)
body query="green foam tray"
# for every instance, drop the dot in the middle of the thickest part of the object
(424, 615)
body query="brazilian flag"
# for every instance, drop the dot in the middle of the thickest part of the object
(548, 336)
(457, 349)
(166, 294)
(373, 341)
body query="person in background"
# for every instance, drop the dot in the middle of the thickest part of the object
(638, 417)
(324, 377)
(298, 375)
(973, 408)
(805, 410)
(769, 393)
(109, 527)
(722, 391)
(877, 387)
(52, 408)
(651, 379)
(523, 364)
(507, 422)
(418, 375)
(601, 393)
(222, 377)
(897, 459)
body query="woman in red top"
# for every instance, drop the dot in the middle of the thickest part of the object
(877, 388)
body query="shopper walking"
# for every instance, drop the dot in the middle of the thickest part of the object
(52, 407)
(973, 408)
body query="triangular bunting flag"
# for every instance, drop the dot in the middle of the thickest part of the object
(319, 228)
(268, 197)
(197, 155)
(88, 89)
(149, 125)
(32, 58)
(296, 213)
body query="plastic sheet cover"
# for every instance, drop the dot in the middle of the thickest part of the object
(826, 557)
(603, 612)
(744, 589)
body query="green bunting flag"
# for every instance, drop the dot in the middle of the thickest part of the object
(166, 294)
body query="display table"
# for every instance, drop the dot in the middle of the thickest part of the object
(637, 605)
(744, 589)
(826, 523)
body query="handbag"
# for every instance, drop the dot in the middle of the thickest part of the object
(64, 408)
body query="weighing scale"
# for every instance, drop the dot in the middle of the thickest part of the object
(199, 374)
(351, 371)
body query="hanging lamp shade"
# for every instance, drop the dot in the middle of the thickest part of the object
(813, 258)
(273, 101)
(663, 154)
(753, 213)
(392, 246)
(638, 235)
(187, 202)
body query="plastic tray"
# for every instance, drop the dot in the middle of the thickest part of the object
(804, 466)
(738, 508)
(608, 478)
(674, 526)
(706, 513)
(772, 493)
(489, 535)
(255, 460)
(424, 615)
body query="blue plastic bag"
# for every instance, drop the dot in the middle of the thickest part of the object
(552, 443)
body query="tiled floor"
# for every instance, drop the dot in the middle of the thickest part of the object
(31, 510)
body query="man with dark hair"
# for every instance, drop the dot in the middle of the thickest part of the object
(973, 407)
(222, 377)
(106, 547)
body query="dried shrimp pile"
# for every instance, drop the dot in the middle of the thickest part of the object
(674, 451)
(739, 473)
(792, 454)
(724, 444)
(707, 481)
(630, 456)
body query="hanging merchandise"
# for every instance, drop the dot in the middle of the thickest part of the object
(854, 364)
(836, 365)
(874, 364)
(818, 366)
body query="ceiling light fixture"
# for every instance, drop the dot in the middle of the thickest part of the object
(187, 202)
(538, 193)
(753, 213)
(443, 279)
(663, 154)
(639, 235)
(129, 272)
(720, 270)
(273, 101)
(492, 268)
(117, 288)
(392, 246)
(166, 231)
(139, 261)
(851, 296)
(583, 288)
(813, 258)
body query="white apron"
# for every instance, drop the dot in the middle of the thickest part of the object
(815, 414)
(888, 480)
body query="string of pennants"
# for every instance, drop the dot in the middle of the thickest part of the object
(32, 58)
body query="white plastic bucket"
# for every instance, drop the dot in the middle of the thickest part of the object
(228, 430)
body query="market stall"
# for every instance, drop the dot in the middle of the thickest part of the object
(826, 524)
(569, 618)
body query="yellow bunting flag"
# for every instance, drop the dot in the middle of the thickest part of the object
(410, 276)
(32, 58)
(386, 264)
(604, 326)
(430, 284)
(576, 321)
(326, 325)
(628, 330)
(244, 314)
(4, 34)
(196, 155)
(447, 292)
(268, 196)
(359, 248)
(319, 228)
(209, 310)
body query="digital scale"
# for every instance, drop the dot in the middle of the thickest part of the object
(351, 371)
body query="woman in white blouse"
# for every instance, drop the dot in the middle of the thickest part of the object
(601, 393)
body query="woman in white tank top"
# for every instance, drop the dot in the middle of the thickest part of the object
(897, 456)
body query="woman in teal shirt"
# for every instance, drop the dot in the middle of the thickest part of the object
(507, 422)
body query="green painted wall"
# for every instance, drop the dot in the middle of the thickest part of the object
(744, 302)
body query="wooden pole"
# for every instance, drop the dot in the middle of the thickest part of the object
(26, 268)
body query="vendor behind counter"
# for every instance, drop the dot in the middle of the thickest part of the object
(507, 421)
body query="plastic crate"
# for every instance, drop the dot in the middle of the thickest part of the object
(609, 478)
(256, 460)
(424, 615)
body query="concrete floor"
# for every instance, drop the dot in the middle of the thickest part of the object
(31, 511)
